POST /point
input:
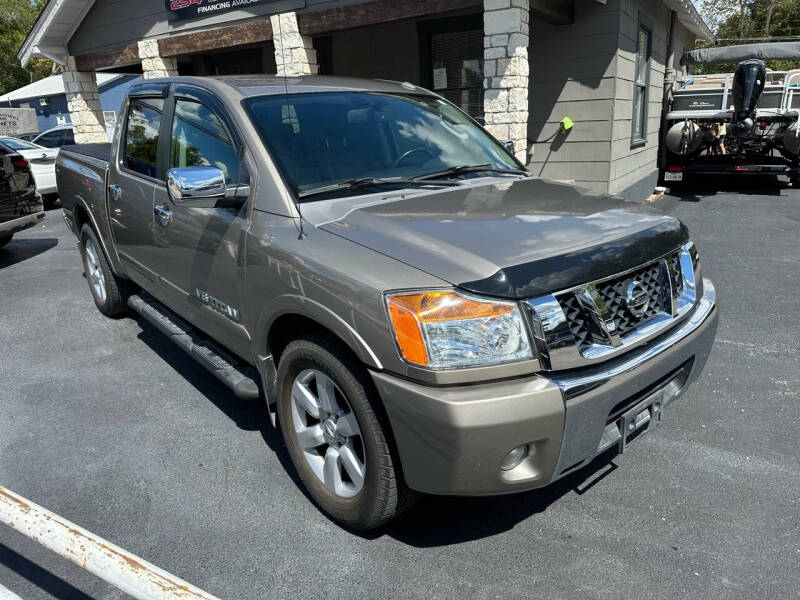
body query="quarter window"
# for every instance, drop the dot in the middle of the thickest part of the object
(141, 136)
(640, 86)
(199, 139)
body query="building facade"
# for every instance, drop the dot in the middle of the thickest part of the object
(519, 66)
(48, 98)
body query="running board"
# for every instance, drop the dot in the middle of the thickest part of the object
(241, 379)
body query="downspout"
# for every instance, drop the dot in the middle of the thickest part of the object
(666, 100)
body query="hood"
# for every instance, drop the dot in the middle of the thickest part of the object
(506, 239)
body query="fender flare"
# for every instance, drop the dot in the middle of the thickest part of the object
(112, 258)
(303, 306)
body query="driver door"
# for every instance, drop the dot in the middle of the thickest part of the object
(201, 249)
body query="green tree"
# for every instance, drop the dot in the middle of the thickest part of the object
(16, 19)
(743, 21)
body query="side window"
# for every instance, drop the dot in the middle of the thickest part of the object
(69, 138)
(50, 140)
(141, 135)
(199, 139)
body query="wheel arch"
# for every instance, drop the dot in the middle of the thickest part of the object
(81, 215)
(290, 315)
(293, 314)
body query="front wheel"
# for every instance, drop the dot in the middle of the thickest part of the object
(337, 440)
(110, 292)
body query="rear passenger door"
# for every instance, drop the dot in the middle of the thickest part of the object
(132, 184)
(201, 249)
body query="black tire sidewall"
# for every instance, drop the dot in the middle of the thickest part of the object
(105, 306)
(358, 512)
(5, 239)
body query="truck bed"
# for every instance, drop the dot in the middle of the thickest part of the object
(96, 151)
(81, 176)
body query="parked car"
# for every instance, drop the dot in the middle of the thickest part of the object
(20, 204)
(421, 313)
(42, 161)
(61, 135)
(28, 137)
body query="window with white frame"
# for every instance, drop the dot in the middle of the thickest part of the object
(641, 84)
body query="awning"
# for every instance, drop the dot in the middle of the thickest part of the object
(735, 54)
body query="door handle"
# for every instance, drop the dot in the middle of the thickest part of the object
(164, 215)
(115, 192)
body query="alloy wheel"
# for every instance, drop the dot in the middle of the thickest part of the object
(95, 273)
(328, 434)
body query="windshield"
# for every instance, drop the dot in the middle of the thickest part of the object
(322, 139)
(16, 144)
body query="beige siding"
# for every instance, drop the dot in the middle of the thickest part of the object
(631, 164)
(573, 70)
(684, 40)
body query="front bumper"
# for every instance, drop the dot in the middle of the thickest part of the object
(451, 440)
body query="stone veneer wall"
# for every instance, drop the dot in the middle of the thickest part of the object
(83, 102)
(506, 71)
(153, 65)
(294, 53)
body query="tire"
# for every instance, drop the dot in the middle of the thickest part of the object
(4, 239)
(110, 293)
(382, 494)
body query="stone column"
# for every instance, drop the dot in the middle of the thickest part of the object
(294, 53)
(83, 102)
(153, 65)
(505, 71)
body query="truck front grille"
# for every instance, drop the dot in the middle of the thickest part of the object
(613, 292)
(594, 321)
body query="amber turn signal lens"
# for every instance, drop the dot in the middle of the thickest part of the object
(409, 311)
(408, 334)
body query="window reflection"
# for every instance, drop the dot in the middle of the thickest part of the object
(199, 139)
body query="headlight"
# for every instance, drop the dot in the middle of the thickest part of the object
(447, 329)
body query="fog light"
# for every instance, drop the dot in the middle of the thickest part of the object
(514, 457)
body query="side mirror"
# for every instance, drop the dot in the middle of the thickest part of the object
(198, 186)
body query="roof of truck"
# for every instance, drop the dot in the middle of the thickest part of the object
(259, 85)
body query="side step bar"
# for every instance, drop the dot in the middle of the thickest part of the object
(240, 378)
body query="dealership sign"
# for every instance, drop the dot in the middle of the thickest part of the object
(189, 9)
(14, 121)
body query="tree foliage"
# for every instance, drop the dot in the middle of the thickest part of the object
(16, 19)
(746, 21)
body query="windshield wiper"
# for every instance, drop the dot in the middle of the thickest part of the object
(371, 181)
(461, 169)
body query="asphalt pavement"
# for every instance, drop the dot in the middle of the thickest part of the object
(109, 425)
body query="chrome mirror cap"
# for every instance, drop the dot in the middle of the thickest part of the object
(188, 183)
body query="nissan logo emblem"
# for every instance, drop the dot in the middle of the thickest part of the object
(636, 299)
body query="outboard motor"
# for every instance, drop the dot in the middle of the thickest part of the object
(748, 83)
